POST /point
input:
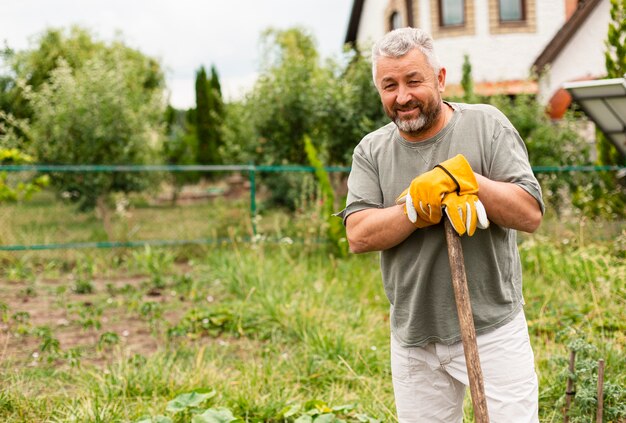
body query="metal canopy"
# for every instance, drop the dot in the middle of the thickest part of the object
(604, 101)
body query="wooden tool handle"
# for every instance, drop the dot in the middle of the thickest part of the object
(466, 322)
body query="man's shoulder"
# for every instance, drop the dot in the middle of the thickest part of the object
(485, 112)
(381, 134)
(378, 139)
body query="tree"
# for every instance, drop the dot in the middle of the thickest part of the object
(32, 67)
(180, 146)
(216, 95)
(284, 94)
(467, 82)
(615, 60)
(203, 117)
(296, 95)
(100, 113)
(606, 195)
(16, 187)
(349, 109)
(209, 116)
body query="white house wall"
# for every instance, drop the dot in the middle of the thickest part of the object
(494, 57)
(372, 25)
(499, 57)
(583, 56)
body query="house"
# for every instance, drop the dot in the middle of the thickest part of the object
(507, 41)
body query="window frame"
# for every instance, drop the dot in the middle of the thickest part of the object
(443, 25)
(528, 25)
(522, 18)
(396, 14)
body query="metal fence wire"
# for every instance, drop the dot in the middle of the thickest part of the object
(251, 170)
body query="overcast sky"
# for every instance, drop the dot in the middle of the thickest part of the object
(184, 34)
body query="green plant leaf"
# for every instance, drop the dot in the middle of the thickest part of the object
(304, 419)
(157, 419)
(187, 400)
(290, 411)
(215, 415)
(315, 407)
(367, 419)
(346, 408)
(327, 418)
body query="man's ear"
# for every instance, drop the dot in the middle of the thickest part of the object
(441, 79)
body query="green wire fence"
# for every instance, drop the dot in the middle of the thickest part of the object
(251, 170)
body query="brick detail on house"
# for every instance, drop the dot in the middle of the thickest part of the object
(400, 6)
(468, 28)
(511, 87)
(528, 25)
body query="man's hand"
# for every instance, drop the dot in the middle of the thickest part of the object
(465, 212)
(423, 198)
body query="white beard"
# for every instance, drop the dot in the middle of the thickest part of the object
(411, 125)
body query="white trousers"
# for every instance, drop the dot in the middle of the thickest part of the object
(430, 382)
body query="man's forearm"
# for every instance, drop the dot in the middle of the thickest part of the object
(509, 205)
(377, 229)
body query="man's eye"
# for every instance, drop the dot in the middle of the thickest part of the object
(390, 86)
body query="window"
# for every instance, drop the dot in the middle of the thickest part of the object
(511, 10)
(395, 21)
(451, 12)
(512, 16)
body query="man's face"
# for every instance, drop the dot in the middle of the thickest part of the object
(411, 93)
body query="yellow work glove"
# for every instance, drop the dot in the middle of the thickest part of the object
(465, 212)
(422, 199)
(410, 212)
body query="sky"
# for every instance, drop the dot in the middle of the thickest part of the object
(184, 34)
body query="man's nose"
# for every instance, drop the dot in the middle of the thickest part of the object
(404, 95)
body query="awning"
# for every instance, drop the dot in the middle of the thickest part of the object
(604, 101)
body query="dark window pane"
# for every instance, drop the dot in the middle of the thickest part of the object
(452, 12)
(396, 20)
(511, 10)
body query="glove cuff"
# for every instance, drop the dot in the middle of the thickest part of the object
(458, 187)
(460, 171)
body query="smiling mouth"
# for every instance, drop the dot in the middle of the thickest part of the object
(407, 111)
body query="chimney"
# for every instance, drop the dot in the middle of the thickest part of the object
(570, 8)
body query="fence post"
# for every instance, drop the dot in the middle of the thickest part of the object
(569, 391)
(252, 176)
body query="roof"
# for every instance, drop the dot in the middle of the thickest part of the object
(355, 19)
(547, 56)
(565, 34)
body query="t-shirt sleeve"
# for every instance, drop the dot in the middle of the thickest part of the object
(510, 163)
(364, 190)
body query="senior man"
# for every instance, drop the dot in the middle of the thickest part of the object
(470, 162)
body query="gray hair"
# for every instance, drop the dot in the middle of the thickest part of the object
(399, 42)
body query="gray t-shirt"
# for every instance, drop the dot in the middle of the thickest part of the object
(416, 273)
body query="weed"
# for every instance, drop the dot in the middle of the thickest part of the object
(29, 292)
(585, 401)
(108, 339)
(288, 323)
(49, 344)
(73, 356)
(212, 322)
(90, 316)
(83, 286)
(21, 316)
(4, 312)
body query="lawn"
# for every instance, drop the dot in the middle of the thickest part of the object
(267, 328)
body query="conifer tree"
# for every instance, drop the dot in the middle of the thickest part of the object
(209, 116)
(467, 81)
(615, 60)
(203, 118)
(217, 112)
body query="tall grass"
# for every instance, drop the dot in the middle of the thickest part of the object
(271, 327)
